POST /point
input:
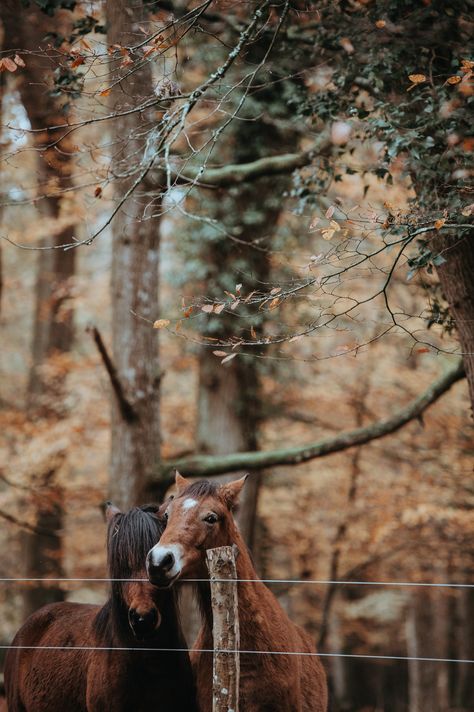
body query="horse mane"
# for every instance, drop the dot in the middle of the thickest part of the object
(130, 536)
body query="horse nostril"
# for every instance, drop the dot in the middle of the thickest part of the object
(167, 562)
(143, 624)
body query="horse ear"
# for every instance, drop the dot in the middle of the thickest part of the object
(230, 491)
(110, 511)
(180, 482)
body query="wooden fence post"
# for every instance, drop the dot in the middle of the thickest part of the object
(226, 636)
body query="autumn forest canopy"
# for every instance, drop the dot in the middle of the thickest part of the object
(238, 237)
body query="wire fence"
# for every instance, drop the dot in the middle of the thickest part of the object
(301, 653)
(323, 582)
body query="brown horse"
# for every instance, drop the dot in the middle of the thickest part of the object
(200, 518)
(137, 630)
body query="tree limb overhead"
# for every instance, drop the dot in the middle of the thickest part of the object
(211, 465)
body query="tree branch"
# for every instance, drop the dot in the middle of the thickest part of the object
(211, 465)
(235, 174)
(125, 407)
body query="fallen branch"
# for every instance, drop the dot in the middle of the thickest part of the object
(212, 465)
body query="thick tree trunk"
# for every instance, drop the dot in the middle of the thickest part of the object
(27, 28)
(135, 439)
(456, 275)
(229, 394)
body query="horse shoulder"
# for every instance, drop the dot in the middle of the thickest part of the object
(313, 676)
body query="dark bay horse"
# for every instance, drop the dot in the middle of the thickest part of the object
(200, 518)
(130, 675)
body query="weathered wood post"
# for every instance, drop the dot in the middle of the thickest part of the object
(226, 636)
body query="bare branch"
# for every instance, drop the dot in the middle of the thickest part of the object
(211, 465)
(240, 173)
(125, 407)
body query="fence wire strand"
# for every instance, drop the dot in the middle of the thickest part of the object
(304, 653)
(322, 582)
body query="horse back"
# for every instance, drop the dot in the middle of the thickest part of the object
(39, 677)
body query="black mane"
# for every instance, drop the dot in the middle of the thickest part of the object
(130, 536)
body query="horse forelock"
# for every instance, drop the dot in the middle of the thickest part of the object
(203, 488)
(131, 535)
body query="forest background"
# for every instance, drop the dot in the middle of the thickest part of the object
(237, 236)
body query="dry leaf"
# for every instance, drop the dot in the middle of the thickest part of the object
(253, 333)
(220, 353)
(235, 304)
(178, 326)
(468, 210)
(219, 308)
(78, 61)
(228, 358)
(439, 223)
(328, 232)
(295, 338)
(454, 80)
(105, 92)
(8, 64)
(208, 308)
(161, 323)
(416, 79)
(188, 312)
(98, 192)
(275, 290)
(313, 223)
(330, 211)
(229, 294)
(274, 303)
(380, 24)
(19, 61)
(238, 287)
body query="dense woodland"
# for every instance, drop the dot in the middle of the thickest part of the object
(238, 237)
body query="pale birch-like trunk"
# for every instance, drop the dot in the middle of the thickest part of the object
(135, 440)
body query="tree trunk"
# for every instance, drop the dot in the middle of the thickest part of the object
(26, 28)
(457, 281)
(43, 550)
(229, 395)
(135, 439)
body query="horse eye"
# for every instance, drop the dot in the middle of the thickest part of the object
(211, 518)
(165, 516)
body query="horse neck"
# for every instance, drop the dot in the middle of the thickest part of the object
(251, 593)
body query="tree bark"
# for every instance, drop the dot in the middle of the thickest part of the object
(135, 440)
(456, 276)
(26, 28)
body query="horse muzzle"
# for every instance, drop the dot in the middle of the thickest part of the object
(144, 623)
(163, 565)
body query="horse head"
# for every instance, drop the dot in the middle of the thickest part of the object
(130, 536)
(198, 518)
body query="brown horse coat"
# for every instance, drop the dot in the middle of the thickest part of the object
(119, 680)
(198, 519)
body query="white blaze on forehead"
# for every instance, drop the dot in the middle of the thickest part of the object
(189, 503)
